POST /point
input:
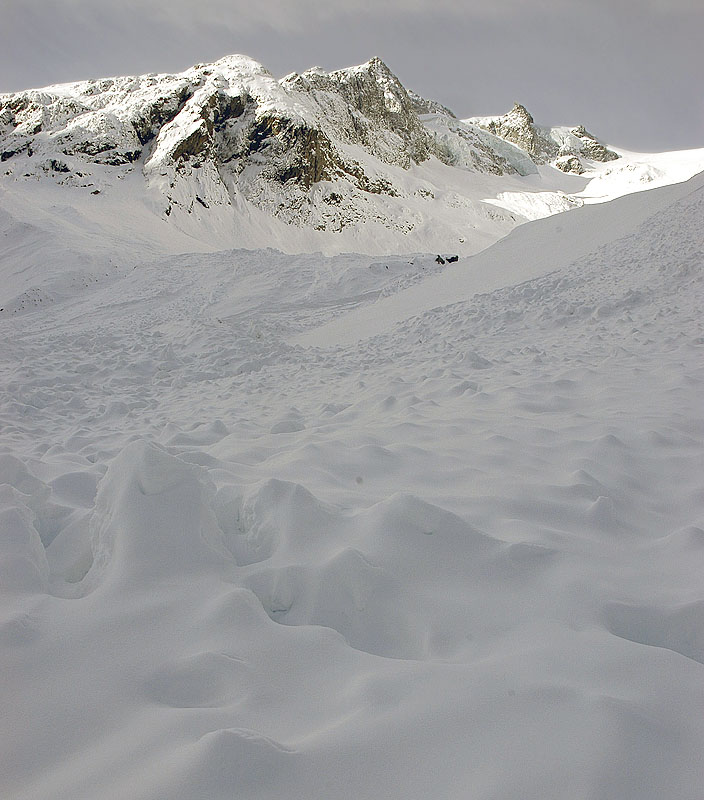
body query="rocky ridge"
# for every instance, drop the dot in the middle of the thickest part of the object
(566, 148)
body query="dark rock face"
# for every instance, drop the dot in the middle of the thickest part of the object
(147, 121)
(198, 143)
(18, 147)
(376, 110)
(379, 96)
(212, 114)
(57, 166)
(303, 155)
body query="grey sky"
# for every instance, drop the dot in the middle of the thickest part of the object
(630, 70)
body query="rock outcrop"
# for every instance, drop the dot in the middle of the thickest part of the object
(517, 127)
(565, 148)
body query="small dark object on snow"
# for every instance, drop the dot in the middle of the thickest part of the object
(439, 260)
(452, 259)
(58, 166)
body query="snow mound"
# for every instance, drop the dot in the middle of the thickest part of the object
(152, 519)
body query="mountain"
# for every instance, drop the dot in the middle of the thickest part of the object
(100, 175)
(227, 154)
(234, 118)
(566, 148)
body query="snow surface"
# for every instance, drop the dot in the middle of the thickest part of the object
(289, 526)
(637, 171)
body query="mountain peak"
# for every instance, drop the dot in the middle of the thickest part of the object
(235, 64)
(564, 147)
(376, 64)
(520, 113)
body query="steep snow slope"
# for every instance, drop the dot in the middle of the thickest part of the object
(518, 257)
(460, 558)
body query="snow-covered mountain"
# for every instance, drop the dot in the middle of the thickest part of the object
(99, 175)
(566, 148)
(345, 160)
(231, 128)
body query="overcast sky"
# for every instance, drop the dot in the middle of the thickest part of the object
(632, 71)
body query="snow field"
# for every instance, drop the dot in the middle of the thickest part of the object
(456, 554)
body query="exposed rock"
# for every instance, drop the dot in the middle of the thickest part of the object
(591, 147)
(517, 126)
(376, 111)
(197, 143)
(148, 120)
(54, 165)
(562, 147)
(300, 154)
(422, 106)
(16, 147)
(569, 164)
(462, 144)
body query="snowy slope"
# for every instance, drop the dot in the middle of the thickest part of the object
(459, 558)
(516, 258)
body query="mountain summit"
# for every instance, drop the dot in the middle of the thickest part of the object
(566, 148)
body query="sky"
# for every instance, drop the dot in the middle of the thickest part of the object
(631, 71)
